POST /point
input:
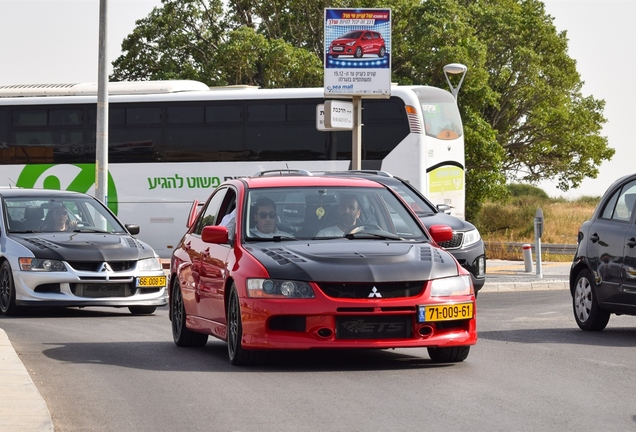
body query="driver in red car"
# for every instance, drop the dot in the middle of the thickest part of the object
(348, 214)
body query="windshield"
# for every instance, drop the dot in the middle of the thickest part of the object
(417, 204)
(441, 116)
(327, 213)
(46, 214)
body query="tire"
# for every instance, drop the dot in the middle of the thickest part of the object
(7, 291)
(358, 53)
(237, 355)
(181, 335)
(588, 314)
(449, 355)
(142, 310)
(382, 52)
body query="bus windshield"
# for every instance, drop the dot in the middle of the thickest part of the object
(441, 116)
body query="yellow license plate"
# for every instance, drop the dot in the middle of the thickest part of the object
(444, 312)
(151, 281)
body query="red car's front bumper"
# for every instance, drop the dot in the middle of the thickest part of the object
(350, 323)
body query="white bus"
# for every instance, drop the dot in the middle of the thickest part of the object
(173, 142)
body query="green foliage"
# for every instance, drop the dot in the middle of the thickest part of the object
(588, 200)
(503, 219)
(518, 190)
(524, 115)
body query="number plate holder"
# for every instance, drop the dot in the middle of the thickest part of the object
(150, 281)
(444, 312)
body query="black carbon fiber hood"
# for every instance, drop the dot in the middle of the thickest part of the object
(73, 246)
(354, 261)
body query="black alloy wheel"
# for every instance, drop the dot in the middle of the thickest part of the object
(7, 291)
(181, 335)
(237, 355)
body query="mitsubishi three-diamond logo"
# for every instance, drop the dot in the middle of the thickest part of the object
(375, 293)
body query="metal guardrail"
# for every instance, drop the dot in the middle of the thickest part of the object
(551, 248)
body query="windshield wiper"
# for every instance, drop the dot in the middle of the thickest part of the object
(275, 238)
(90, 230)
(374, 235)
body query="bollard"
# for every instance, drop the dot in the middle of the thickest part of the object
(527, 257)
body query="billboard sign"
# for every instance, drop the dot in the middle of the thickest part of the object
(357, 52)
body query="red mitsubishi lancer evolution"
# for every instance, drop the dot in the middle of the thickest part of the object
(280, 261)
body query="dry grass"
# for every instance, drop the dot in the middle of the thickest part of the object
(514, 222)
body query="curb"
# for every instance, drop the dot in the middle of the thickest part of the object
(548, 285)
(22, 408)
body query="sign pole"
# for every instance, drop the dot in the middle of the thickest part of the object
(101, 151)
(356, 138)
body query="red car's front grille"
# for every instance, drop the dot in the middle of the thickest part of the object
(372, 290)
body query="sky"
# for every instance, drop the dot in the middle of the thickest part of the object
(57, 41)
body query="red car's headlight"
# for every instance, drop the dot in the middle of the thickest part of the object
(276, 288)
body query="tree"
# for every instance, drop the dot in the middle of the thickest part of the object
(195, 39)
(525, 118)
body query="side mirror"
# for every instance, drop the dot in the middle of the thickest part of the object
(444, 208)
(441, 233)
(216, 234)
(132, 229)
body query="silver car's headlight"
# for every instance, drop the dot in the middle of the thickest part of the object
(41, 265)
(471, 237)
(451, 286)
(149, 264)
(278, 288)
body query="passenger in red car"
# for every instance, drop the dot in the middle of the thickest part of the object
(265, 218)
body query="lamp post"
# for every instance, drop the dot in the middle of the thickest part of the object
(455, 69)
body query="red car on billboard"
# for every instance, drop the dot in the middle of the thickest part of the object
(358, 43)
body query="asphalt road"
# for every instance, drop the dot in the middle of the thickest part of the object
(532, 369)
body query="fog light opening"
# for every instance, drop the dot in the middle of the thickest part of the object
(425, 331)
(325, 332)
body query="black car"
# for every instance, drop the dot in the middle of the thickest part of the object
(466, 245)
(603, 273)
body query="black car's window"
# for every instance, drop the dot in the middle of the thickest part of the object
(419, 206)
(621, 205)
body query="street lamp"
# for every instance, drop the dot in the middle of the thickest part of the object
(455, 69)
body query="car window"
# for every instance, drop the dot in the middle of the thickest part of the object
(621, 205)
(419, 206)
(208, 215)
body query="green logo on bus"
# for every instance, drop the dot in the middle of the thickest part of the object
(75, 177)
